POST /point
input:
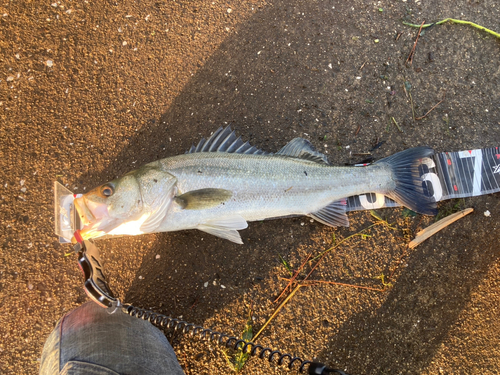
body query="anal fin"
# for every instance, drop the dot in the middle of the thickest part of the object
(333, 215)
(226, 228)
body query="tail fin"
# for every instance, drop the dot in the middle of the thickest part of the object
(409, 190)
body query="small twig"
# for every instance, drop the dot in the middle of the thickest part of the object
(304, 281)
(362, 66)
(357, 130)
(314, 282)
(293, 278)
(254, 339)
(460, 22)
(436, 227)
(412, 106)
(314, 267)
(429, 111)
(412, 53)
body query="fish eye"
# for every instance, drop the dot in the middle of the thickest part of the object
(107, 190)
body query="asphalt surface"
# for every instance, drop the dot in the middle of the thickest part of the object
(91, 90)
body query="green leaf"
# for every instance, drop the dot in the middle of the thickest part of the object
(238, 360)
(408, 213)
(384, 283)
(376, 215)
(286, 264)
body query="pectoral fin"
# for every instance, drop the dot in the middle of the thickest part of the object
(203, 198)
(225, 228)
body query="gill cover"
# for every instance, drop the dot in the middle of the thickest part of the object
(157, 189)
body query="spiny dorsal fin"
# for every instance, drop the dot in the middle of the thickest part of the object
(225, 140)
(302, 149)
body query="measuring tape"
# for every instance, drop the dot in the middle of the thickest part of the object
(446, 175)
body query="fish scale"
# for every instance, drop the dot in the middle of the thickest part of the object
(266, 186)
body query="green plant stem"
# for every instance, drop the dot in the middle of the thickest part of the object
(360, 233)
(460, 22)
(320, 257)
(394, 120)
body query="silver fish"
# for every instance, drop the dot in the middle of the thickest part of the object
(220, 185)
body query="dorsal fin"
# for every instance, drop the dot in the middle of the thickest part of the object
(224, 140)
(303, 149)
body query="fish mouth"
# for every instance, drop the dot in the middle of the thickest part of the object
(94, 217)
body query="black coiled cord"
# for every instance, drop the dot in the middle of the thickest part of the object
(227, 341)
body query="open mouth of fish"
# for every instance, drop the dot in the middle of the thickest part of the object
(94, 218)
(97, 222)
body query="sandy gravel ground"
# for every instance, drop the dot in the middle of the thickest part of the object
(90, 90)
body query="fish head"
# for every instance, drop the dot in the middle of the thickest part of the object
(126, 205)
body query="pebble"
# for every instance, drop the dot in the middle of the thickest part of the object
(49, 63)
(157, 256)
(205, 284)
(10, 78)
(487, 213)
(229, 10)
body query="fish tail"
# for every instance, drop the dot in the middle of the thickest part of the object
(409, 189)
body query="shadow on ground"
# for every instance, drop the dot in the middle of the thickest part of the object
(290, 72)
(404, 333)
